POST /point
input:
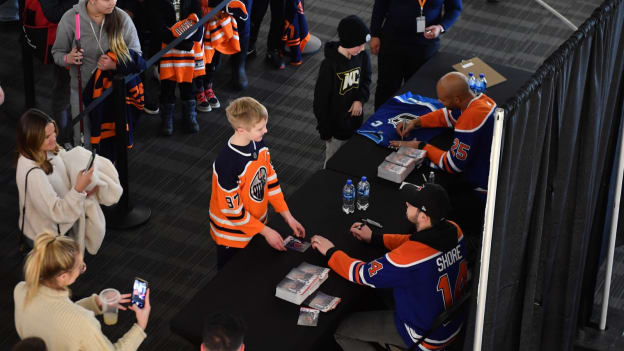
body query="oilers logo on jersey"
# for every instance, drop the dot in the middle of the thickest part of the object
(256, 190)
(407, 117)
(349, 80)
(381, 127)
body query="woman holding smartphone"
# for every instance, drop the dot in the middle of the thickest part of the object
(43, 307)
(52, 205)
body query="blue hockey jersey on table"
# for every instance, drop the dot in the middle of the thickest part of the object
(381, 127)
(425, 281)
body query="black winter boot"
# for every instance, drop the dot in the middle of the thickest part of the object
(239, 77)
(190, 115)
(166, 119)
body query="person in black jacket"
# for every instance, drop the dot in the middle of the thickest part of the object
(401, 44)
(343, 84)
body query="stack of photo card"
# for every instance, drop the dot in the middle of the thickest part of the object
(392, 172)
(301, 282)
(308, 317)
(416, 154)
(402, 160)
(322, 301)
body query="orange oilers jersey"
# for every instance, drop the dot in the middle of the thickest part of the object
(221, 35)
(243, 184)
(184, 65)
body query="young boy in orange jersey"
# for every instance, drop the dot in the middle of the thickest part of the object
(243, 184)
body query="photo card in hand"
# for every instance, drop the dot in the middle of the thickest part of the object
(295, 244)
(308, 317)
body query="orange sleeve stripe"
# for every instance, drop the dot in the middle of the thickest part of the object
(356, 273)
(411, 253)
(392, 241)
(341, 263)
(433, 119)
(434, 154)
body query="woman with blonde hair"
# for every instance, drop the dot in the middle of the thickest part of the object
(103, 27)
(47, 201)
(43, 307)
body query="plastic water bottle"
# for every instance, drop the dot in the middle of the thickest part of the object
(431, 177)
(348, 197)
(472, 82)
(481, 84)
(363, 192)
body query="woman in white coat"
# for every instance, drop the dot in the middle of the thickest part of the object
(47, 201)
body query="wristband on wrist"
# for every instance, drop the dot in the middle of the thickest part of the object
(421, 145)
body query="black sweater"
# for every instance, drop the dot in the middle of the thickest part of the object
(340, 82)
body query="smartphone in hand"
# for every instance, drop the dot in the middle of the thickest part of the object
(139, 289)
(91, 160)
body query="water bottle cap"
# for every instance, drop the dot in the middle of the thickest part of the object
(481, 75)
(363, 178)
(349, 181)
(470, 74)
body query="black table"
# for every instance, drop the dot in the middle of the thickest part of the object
(246, 285)
(424, 81)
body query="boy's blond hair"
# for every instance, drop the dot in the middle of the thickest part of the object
(245, 112)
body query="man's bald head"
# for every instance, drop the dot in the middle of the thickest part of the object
(453, 90)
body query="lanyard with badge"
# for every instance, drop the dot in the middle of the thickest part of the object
(420, 21)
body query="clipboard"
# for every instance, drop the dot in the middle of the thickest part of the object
(476, 65)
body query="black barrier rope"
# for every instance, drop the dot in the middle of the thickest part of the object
(555, 61)
(150, 62)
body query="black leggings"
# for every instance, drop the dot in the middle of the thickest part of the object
(167, 91)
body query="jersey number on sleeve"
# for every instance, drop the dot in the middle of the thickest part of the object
(231, 199)
(444, 285)
(374, 268)
(460, 150)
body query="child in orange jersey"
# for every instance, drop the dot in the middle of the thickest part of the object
(243, 184)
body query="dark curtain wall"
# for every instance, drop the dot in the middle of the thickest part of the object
(559, 145)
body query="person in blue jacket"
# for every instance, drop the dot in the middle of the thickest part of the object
(426, 269)
(402, 45)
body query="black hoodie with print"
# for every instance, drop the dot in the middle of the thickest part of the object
(340, 82)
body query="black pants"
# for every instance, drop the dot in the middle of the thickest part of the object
(274, 39)
(397, 63)
(224, 254)
(167, 91)
(204, 82)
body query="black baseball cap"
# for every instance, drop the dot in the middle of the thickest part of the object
(430, 198)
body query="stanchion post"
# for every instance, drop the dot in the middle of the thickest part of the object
(486, 246)
(613, 233)
(125, 215)
(27, 63)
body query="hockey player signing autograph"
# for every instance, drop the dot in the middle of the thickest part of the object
(243, 184)
(426, 270)
(472, 139)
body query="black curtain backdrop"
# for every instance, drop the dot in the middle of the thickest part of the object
(559, 147)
